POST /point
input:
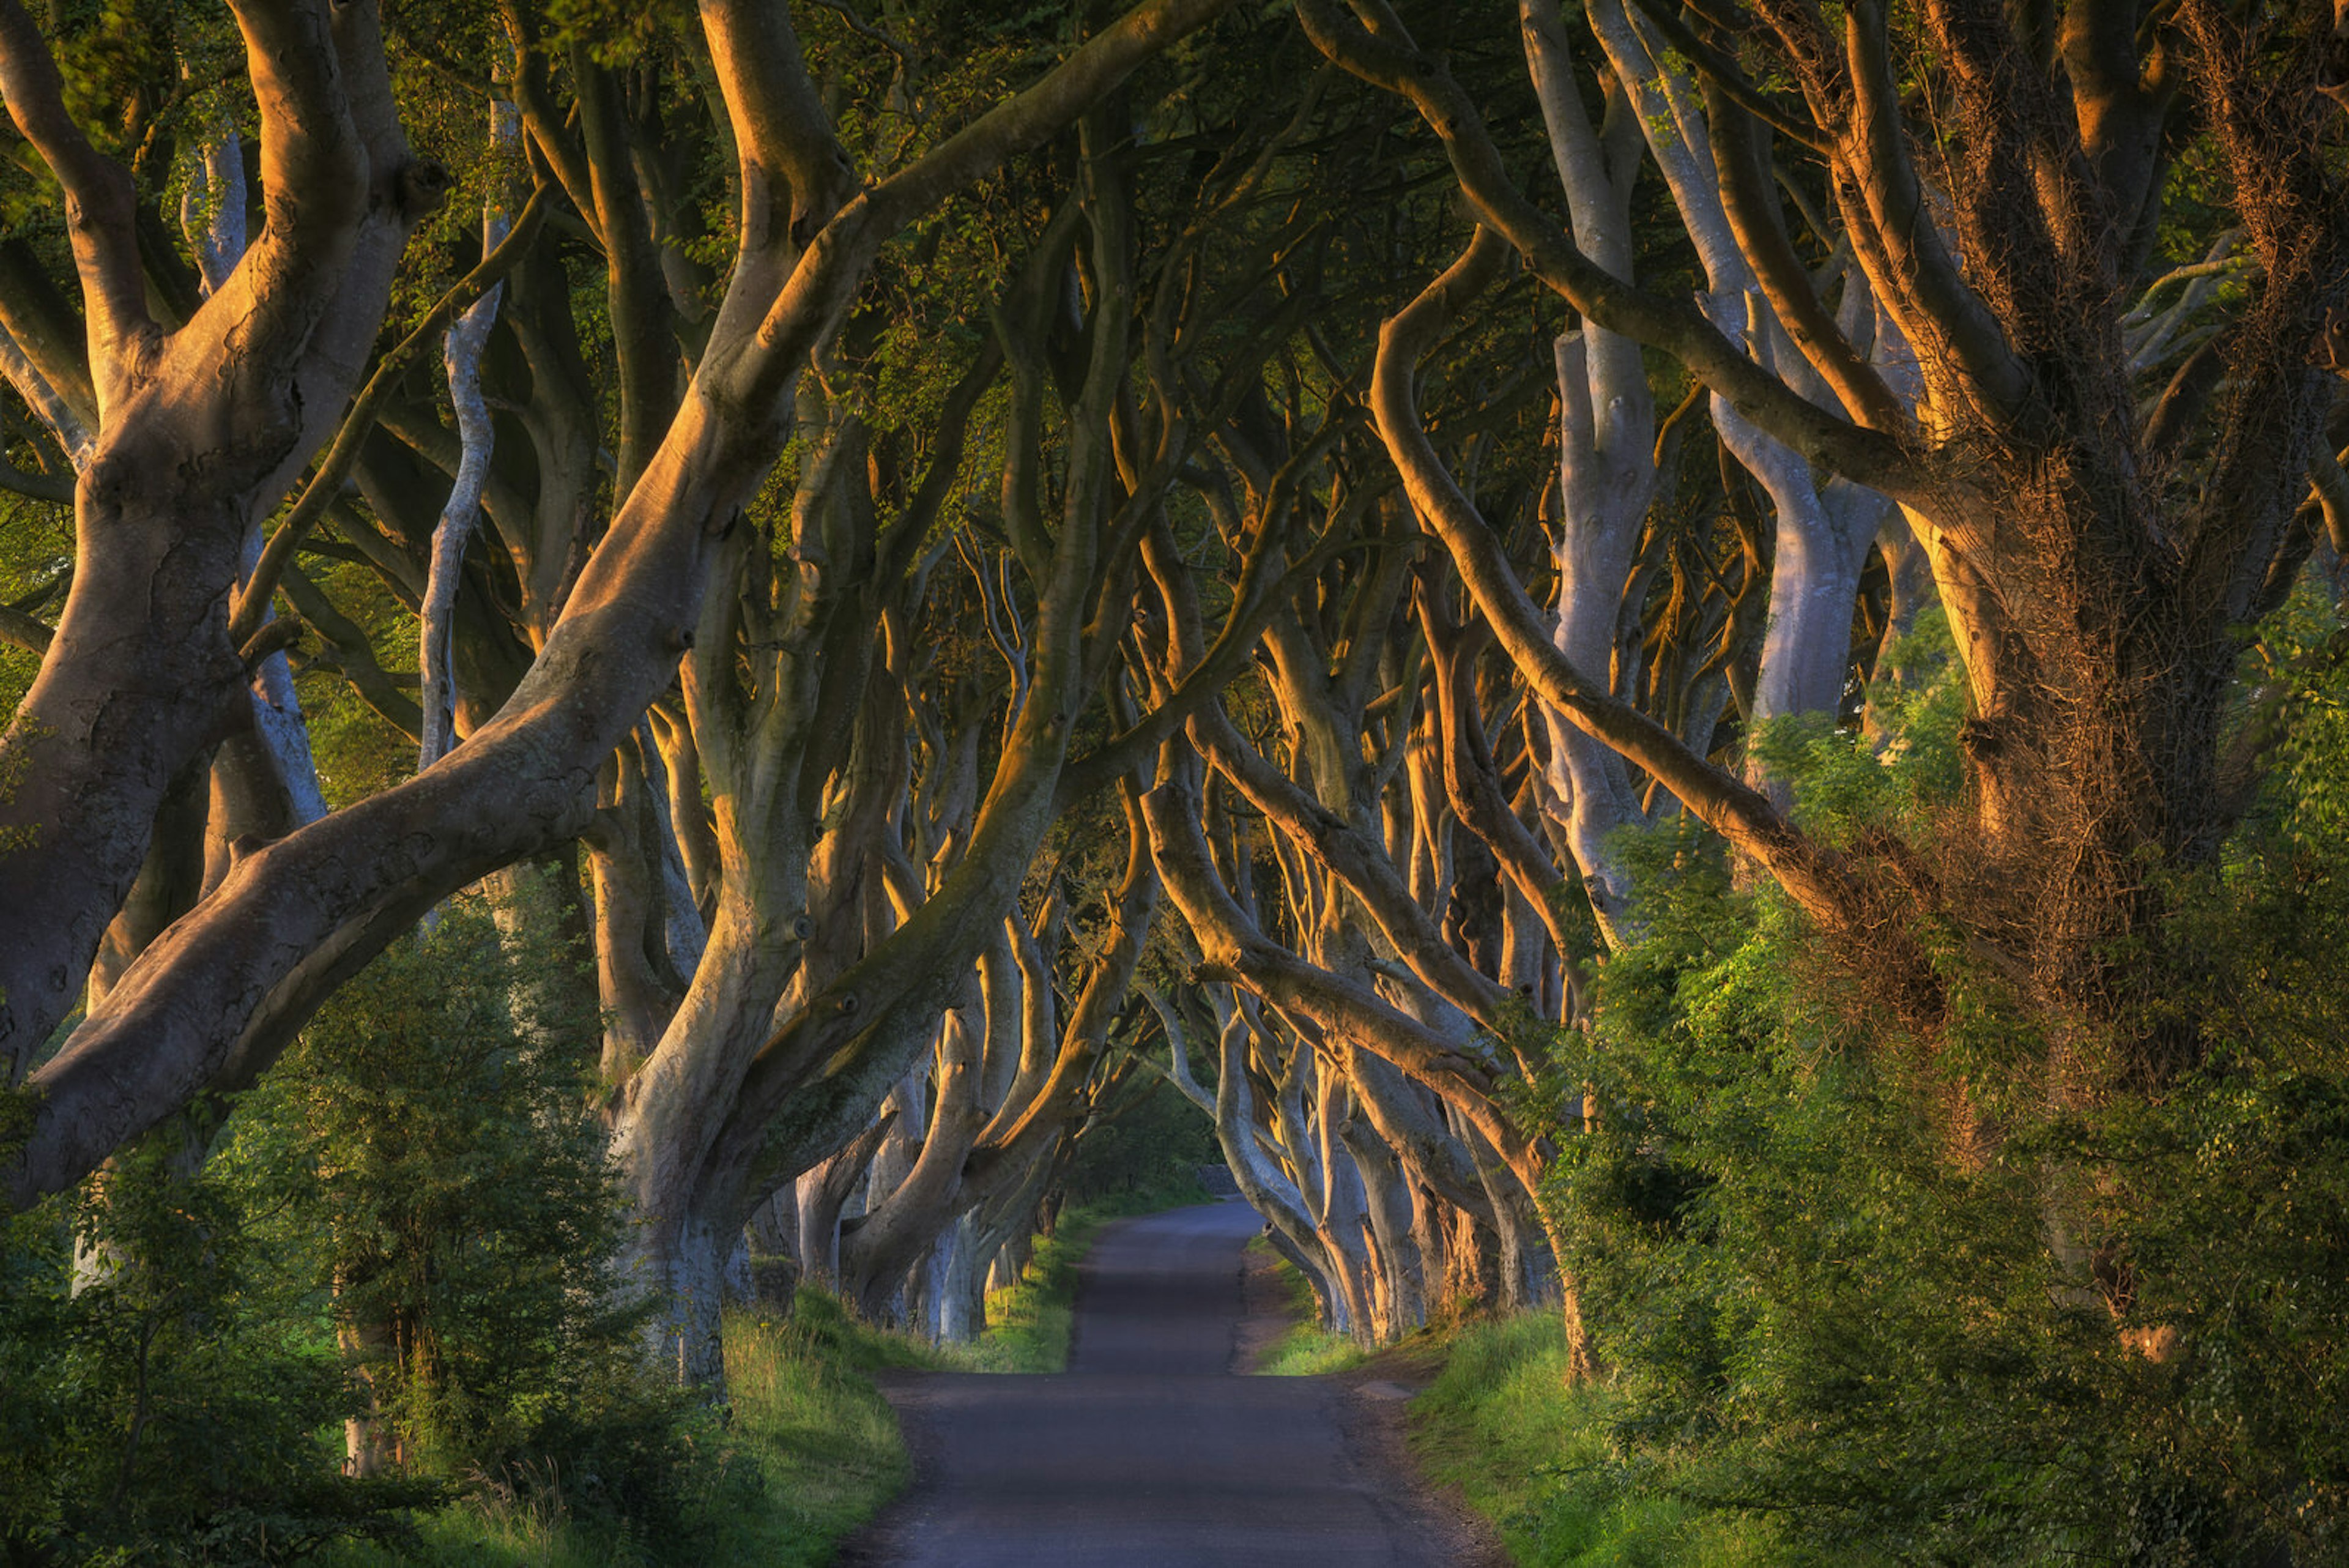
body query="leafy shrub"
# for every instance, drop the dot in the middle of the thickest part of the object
(1912, 1300)
(175, 1404)
(429, 1145)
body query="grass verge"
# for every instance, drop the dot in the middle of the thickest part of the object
(809, 1452)
(1531, 1452)
(825, 1442)
(1029, 1322)
(809, 1449)
(1307, 1350)
(1538, 1457)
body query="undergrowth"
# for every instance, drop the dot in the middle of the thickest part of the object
(1307, 1350)
(807, 1451)
(1029, 1322)
(1539, 1458)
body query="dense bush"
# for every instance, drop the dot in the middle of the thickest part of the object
(1933, 1300)
(181, 1402)
(410, 1224)
(431, 1150)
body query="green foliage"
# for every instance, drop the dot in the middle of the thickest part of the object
(824, 1439)
(411, 1222)
(357, 750)
(804, 1417)
(437, 1166)
(1813, 1307)
(36, 564)
(1144, 1156)
(1929, 1300)
(1538, 1456)
(1916, 707)
(178, 1407)
(422, 1183)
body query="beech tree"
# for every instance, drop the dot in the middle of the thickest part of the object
(1360, 627)
(1418, 817)
(2097, 565)
(192, 429)
(2106, 505)
(221, 991)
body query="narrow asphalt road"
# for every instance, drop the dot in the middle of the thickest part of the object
(1148, 1452)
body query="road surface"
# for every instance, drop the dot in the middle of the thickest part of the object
(1149, 1452)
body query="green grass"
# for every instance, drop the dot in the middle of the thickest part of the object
(805, 1420)
(1535, 1455)
(824, 1439)
(1307, 1350)
(1531, 1452)
(1028, 1324)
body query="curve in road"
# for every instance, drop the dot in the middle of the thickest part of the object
(1148, 1452)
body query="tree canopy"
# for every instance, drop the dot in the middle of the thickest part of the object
(1621, 643)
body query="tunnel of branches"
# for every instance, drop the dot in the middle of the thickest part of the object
(1264, 567)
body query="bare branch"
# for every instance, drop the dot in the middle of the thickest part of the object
(1814, 876)
(327, 482)
(1749, 200)
(21, 630)
(821, 283)
(780, 124)
(1234, 950)
(1680, 329)
(1723, 78)
(1947, 312)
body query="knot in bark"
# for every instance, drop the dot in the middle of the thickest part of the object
(1982, 738)
(421, 188)
(2333, 348)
